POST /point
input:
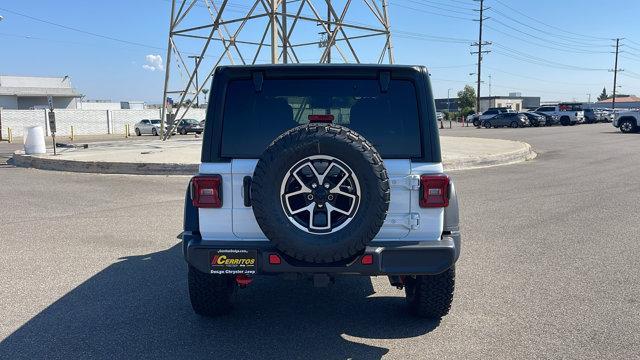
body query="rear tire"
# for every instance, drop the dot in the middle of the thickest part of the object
(514, 124)
(210, 295)
(154, 132)
(430, 296)
(487, 124)
(138, 133)
(183, 132)
(564, 121)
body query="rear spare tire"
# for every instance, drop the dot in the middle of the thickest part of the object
(320, 193)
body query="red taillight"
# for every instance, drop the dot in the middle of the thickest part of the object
(206, 191)
(274, 259)
(367, 259)
(321, 118)
(434, 191)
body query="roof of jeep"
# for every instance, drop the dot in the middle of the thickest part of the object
(320, 69)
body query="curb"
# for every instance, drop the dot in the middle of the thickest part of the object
(127, 168)
(103, 167)
(469, 163)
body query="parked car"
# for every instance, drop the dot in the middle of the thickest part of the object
(549, 119)
(490, 113)
(188, 126)
(608, 115)
(535, 119)
(202, 122)
(627, 121)
(567, 113)
(511, 119)
(592, 116)
(149, 126)
(316, 202)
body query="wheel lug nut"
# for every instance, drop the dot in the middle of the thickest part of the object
(310, 197)
(326, 186)
(314, 185)
(330, 197)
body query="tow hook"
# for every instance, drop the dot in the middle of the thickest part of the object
(397, 281)
(243, 280)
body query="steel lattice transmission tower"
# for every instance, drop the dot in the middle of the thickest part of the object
(220, 32)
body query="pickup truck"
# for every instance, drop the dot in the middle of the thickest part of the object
(566, 113)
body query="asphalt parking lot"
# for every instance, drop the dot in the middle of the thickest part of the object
(91, 268)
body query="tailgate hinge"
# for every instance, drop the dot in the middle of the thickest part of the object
(410, 221)
(411, 182)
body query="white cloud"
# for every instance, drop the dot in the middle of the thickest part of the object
(154, 62)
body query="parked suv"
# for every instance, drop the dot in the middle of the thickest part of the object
(627, 121)
(318, 171)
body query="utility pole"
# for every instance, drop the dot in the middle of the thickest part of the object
(615, 75)
(589, 100)
(196, 59)
(480, 51)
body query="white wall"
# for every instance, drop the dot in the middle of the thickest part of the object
(18, 119)
(84, 122)
(121, 117)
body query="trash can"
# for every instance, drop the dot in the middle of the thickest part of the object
(34, 140)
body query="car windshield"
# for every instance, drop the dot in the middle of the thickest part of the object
(191, 121)
(388, 119)
(155, 122)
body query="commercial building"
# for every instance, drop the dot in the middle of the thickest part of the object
(514, 101)
(32, 92)
(622, 102)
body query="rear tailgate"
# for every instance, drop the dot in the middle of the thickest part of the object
(397, 225)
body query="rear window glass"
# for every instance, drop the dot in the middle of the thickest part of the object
(389, 120)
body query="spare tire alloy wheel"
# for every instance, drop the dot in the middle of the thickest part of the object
(320, 193)
(320, 202)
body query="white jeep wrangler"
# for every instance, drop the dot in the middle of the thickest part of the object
(321, 171)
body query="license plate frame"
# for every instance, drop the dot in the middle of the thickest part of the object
(233, 261)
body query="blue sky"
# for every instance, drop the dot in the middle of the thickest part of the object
(559, 50)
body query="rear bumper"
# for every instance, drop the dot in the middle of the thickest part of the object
(389, 257)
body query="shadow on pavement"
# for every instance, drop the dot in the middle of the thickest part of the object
(139, 307)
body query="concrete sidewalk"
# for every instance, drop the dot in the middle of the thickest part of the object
(181, 156)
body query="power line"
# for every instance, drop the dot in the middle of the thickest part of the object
(563, 37)
(545, 46)
(547, 62)
(466, 11)
(539, 79)
(549, 25)
(569, 45)
(431, 12)
(82, 31)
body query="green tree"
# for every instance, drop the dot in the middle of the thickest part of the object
(603, 95)
(467, 97)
